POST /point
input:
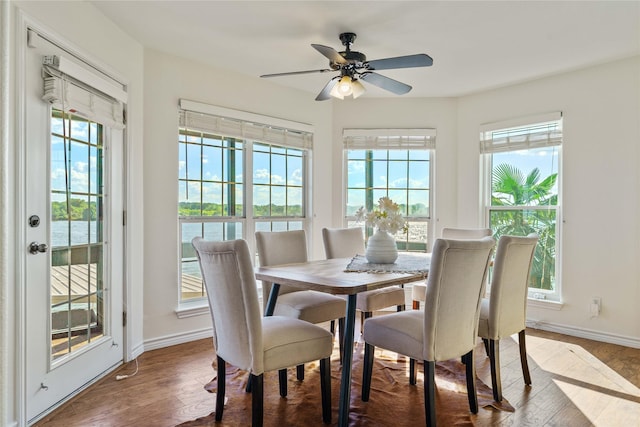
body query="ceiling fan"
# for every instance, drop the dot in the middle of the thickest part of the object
(353, 67)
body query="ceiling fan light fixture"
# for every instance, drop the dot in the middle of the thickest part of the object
(347, 86)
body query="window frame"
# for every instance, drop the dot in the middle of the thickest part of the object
(370, 140)
(486, 156)
(248, 220)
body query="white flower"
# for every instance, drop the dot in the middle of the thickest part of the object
(386, 217)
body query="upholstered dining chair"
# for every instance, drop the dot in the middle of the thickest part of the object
(504, 312)
(245, 339)
(346, 243)
(448, 326)
(287, 247)
(418, 290)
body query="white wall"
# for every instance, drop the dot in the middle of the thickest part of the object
(83, 29)
(600, 189)
(167, 79)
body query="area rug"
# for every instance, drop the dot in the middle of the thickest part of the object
(393, 402)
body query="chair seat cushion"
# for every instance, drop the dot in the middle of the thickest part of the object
(290, 342)
(310, 306)
(378, 299)
(419, 292)
(401, 332)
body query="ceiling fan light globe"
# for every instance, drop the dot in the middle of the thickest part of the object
(357, 88)
(336, 93)
(344, 86)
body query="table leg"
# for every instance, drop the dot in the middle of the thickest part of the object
(345, 384)
(271, 302)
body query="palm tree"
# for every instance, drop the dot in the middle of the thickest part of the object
(510, 187)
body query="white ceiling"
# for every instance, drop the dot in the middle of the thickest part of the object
(475, 45)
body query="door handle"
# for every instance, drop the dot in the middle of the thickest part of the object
(36, 247)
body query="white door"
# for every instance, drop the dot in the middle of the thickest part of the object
(73, 243)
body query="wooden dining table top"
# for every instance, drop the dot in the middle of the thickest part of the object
(330, 276)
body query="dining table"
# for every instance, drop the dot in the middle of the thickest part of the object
(343, 276)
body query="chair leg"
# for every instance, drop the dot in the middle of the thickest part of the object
(412, 372)
(430, 393)
(256, 399)
(485, 341)
(222, 369)
(523, 357)
(416, 304)
(341, 337)
(282, 381)
(367, 371)
(471, 382)
(300, 372)
(325, 389)
(494, 361)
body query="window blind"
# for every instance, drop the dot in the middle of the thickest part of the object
(73, 95)
(372, 139)
(495, 138)
(242, 125)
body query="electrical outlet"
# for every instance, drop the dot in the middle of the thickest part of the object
(596, 306)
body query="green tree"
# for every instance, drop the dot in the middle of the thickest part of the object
(511, 187)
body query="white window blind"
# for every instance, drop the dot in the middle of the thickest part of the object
(75, 93)
(372, 139)
(501, 137)
(243, 125)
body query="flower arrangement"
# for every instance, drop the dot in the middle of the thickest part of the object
(386, 217)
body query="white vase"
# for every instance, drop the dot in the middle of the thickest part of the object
(381, 248)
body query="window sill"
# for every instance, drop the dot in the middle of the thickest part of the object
(544, 303)
(191, 309)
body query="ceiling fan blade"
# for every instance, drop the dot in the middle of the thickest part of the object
(409, 61)
(291, 73)
(325, 92)
(330, 53)
(385, 83)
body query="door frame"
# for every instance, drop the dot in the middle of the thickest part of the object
(22, 23)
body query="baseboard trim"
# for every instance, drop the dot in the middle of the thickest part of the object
(136, 352)
(169, 340)
(585, 333)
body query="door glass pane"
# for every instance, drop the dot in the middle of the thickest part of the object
(77, 239)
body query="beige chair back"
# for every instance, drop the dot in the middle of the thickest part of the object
(343, 242)
(510, 285)
(233, 301)
(465, 233)
(455, 286)
(280, 247)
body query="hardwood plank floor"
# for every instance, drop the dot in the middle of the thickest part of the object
(576, 382)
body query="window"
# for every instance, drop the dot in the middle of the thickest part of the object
(210, 201)
(522, 163)
(395, 163)
(235, 177)
(278, 187)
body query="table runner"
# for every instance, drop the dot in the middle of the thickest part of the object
(406, 263)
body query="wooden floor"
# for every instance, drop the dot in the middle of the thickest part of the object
(576, 382)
